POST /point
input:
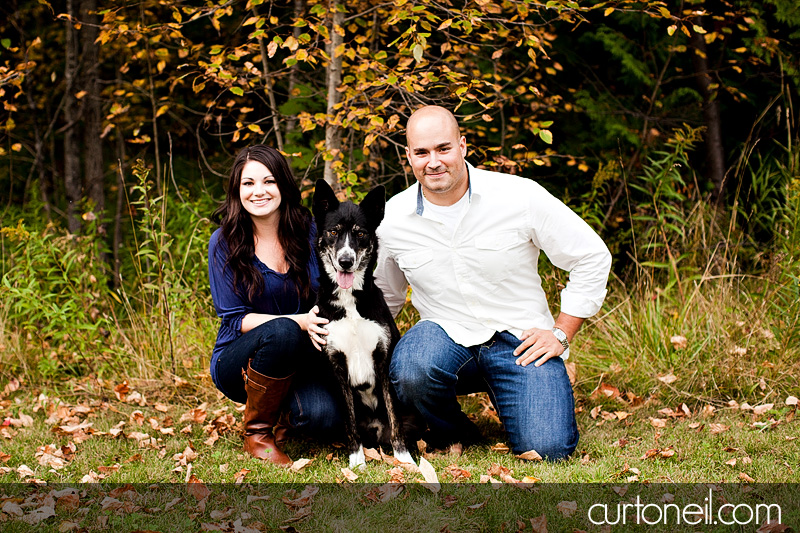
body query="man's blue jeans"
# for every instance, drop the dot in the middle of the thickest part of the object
(535, 404)
(314, 402)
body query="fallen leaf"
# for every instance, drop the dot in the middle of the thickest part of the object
(567, 508)
(500, 447)
(11, 508)
(595, 411)
(24, 471)
(707, 411)
(621, 490)
(622, 415)
(745, 477)
(238, 479)
(38, 515)
(121, 391)
(299, 465)
(478, 505)
(530, 455)
(761, 409)
(195, 487)
(773, 526)
(429, 473)
(605, 390)
(791, 400)
(539, 524)
(160, 407)
(457, 472)
(572, 372)
(679, 342)
(747, 461)
(668, 379)
(718, 428)
(349, 474)
(658, 422)
(731, 462)
(372, 454)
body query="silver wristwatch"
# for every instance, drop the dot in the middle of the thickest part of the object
(562, 337)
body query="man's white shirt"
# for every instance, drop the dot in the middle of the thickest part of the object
(482, 277)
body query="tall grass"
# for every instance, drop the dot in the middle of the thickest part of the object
(709, 296)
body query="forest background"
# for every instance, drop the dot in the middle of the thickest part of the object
(669, 126)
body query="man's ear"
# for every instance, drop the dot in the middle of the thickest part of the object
(324, 200)
(374, 206)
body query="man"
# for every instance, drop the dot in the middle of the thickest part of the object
(468, 241)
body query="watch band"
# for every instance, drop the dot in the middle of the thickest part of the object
(562, 337)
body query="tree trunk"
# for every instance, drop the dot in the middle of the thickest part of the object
(72, 179)
(266, 79)
(715, 151)
(291, 121)
(333, 133)
(92, 117)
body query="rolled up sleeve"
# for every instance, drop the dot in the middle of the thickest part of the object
(572, 245)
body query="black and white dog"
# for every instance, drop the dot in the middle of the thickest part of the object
(361, 329)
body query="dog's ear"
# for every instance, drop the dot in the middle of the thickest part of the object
(374, 206)
(324, 199)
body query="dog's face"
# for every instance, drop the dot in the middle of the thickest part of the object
(346, 238)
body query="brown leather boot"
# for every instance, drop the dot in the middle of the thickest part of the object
(262, 410)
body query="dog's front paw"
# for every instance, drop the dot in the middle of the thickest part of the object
(357, 459)
(404, 457)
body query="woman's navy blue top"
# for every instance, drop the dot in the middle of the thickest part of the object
(279, 297)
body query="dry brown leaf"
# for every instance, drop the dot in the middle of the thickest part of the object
(595, 411)
(160, 407)
(747, 461)
(718, 428)
(761, 409)
(539, 524)
(622, 415)
(621, 490)
(773, 526)
(456, 472)
(429, 473)
(658, 422)
(745, 477)
(238, 479)
(195, 487)
(707, 411)
(668, 379)
(349, 475)
(791, 400)
(572, 372)
(11, 508)
(679, 342)
(478, 505)
(372, 454)
(500, 447)
(530, 455)
(38, 515)
(299, 465)
(121, 391)
(731, 462)
(567, 508)
(605, 390)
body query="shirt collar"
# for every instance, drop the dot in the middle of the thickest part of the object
(421, 205)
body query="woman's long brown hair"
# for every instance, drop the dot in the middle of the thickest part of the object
(237, 226)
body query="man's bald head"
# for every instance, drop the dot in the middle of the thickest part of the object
(436, 150)
(436, 113)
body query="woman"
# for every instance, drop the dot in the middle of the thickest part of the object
(263, 274)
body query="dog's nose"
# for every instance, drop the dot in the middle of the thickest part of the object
(346, 262)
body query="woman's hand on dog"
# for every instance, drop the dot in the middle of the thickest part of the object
(311, 322)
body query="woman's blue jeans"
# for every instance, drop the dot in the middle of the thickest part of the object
(535, 404)
(314, 401)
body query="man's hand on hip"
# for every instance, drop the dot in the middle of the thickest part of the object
(538, 345)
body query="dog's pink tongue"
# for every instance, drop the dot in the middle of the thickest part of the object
(345, 279)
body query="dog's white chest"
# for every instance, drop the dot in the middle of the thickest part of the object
(357, 337)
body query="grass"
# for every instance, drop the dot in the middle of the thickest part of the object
(143, 479)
